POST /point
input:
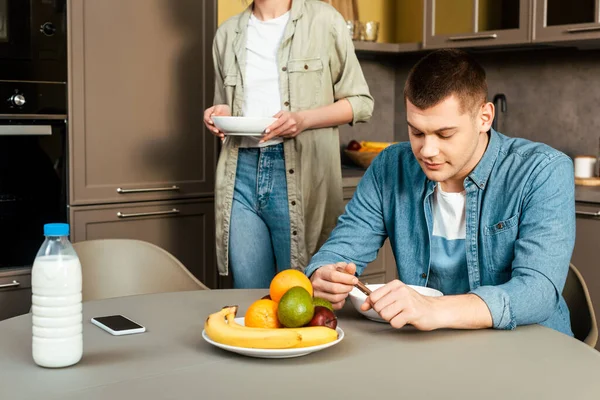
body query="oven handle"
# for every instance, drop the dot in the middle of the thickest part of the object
(12, 284)
(25, 130)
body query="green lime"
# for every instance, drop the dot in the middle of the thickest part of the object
(317, 301)
(295, 308)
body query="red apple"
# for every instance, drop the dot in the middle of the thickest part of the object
(353, 145)
(323, 317)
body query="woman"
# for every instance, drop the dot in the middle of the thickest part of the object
(278, 198)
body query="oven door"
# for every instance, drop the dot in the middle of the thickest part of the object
(33, 40)
(33, 189)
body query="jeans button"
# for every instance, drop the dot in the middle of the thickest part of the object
(287, 104)
(284, 69)
(500, 225)
(291, 171)
(294, 233)
(293, 203)
(423, 275)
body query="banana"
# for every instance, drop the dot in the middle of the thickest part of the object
(222, 328)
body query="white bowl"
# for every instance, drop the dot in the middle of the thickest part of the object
(242, 126)
(358, 298)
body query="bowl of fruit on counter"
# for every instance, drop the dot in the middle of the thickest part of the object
(363, 152)
(288, 322)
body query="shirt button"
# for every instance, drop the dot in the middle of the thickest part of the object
(287, 104)
(291, 171)
(293, 203)
(284, 69)
(294, 233)
(500, 225)
(423, 275)
(305, 66)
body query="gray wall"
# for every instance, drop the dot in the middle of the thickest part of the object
(553, 97)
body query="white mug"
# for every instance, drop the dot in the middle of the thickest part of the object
(585, 166)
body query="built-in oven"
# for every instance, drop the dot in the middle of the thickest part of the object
(33, 40)
(33, 167)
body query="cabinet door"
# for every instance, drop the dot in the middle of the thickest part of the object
(15, 292)
(566, 20)
(476, 23)
(140, 76)
(585, 253)
(183, 228)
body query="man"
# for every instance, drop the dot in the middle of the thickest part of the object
(486, 219)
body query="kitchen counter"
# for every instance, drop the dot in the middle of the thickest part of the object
(585, 194)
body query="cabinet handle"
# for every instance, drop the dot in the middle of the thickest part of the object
(148, 214)
(585, 29)
(588, 214)
(12, 284)
(473, 37)
(173, 188)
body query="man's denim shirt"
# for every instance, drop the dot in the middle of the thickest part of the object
(520, 227)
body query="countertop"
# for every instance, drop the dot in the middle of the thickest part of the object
(585, 194)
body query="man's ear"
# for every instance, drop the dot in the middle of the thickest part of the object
(486, 117)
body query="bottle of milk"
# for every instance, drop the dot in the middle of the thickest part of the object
(56, 301)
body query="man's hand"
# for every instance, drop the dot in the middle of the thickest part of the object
(219, 109)
(402, 305)
(333, 282)
(288, 125)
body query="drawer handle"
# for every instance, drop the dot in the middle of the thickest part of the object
(588, 214)
(173, 188)
(582, 30)
(12, 284)
(148, 214)
(473, 37)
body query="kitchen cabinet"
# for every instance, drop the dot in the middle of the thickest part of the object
(140, 76)
(184, 228)
(476, 23)
(15, 292)
(585, 254)
(567, 21)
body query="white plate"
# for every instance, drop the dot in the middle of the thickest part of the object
(273, 353)
(242, 126)
(357, 298)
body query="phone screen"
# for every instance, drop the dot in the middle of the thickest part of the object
(118, 322)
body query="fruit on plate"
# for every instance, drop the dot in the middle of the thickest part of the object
(323, 317)
(373, 147)
(318, 301)
(262, 314)
(353, 145)
(222, 328)
(295, 308)
(287, 279)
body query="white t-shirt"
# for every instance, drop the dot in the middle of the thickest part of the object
(448, 268)
(262, 97)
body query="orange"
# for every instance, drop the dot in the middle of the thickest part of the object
(287, 279)
(262, 314)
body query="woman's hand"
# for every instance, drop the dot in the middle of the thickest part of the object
(219, 109)
(288, 125)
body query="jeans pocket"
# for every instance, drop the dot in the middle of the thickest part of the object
(499, 240)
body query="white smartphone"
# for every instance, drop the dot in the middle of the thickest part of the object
(118, 325)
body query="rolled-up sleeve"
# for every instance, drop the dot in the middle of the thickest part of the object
(348, 80)
(542, 251)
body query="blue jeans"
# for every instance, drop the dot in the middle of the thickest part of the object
(259, 238)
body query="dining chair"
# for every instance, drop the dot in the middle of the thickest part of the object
(583, 318)
(125, 267)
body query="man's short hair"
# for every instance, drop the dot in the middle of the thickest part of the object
(443, 73)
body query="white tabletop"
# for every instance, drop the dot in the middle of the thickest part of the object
(172, 361)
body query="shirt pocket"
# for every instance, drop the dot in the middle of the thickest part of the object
(499, 240)
(229, 86)
(305, 77)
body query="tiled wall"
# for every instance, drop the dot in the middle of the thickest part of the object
(553, 97)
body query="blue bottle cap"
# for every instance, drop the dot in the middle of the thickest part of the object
(56, 230)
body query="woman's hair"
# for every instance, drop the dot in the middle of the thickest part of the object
(443, 73)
